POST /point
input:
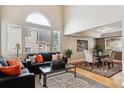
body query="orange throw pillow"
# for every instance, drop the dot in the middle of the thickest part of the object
(11, 70)
(20, 63)
(16, 61)
(39, 58)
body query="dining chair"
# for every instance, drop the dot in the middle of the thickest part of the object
(89, 58)
(109, 60)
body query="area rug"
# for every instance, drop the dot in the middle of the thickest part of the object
(103, 70)
(67, 80)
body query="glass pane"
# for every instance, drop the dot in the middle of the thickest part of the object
(28, 49)
(39, 40)
(56, 41)
(14, 37)
(32, 40)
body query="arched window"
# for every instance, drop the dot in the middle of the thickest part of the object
(37, 18)
(38, 36)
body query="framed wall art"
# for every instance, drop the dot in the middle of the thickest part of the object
(82, 45)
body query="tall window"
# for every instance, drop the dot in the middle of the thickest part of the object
(14, 37)
(56, 41)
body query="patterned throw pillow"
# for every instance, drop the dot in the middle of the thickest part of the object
(32, 59)
(55, 57)
(11, 70)
(60, 56)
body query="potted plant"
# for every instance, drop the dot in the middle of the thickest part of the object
(99, 49)
(68, 53)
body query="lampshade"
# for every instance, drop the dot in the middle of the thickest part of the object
(17, 46)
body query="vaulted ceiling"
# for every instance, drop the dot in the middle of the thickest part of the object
(92, 20)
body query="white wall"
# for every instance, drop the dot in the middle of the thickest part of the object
(71, 43)
(78, 18)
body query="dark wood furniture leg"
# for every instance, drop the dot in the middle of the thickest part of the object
(40, 76)
(75, 71)
(97, 65)
(104, 63)
(44, 80)
(108, 65)
(92, 66)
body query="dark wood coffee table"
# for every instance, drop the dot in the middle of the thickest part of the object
(45, 70)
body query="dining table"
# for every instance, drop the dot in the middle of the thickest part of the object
(99, 58)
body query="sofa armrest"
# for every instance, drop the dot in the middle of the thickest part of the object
(26, 80)
(41, 64)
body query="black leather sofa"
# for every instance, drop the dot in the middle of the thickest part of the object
(47, 57)
(25, 80)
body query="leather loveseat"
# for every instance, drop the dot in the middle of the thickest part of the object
(25, 80)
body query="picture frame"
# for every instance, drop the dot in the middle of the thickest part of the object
(82, 45)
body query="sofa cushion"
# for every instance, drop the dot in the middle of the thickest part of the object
(46, 56)
(11, 70)
(3, 61)
(60, 56)
(16, 61)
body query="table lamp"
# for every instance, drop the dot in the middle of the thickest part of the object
(17, 47)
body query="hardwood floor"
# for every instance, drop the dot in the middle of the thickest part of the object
(113, 82)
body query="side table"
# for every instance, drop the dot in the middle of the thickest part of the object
(75, 63)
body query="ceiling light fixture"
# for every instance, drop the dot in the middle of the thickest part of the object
(103, 30)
